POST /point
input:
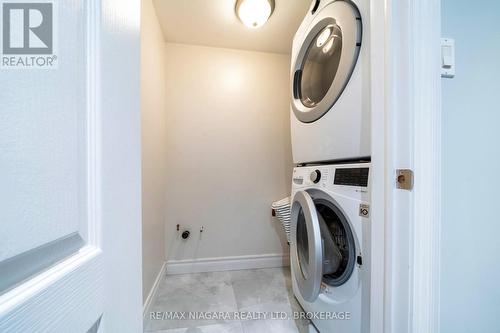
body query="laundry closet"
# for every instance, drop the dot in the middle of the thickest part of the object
(235, 118)
(248, 166)
(216, 136)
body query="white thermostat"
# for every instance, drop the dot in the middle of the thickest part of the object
(447, 57)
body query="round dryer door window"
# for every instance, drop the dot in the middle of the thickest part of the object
(320, 65)
(326, 60)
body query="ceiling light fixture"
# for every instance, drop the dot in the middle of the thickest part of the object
(254, 13)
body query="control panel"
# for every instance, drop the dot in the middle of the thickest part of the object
(351, 177)
(354, 176)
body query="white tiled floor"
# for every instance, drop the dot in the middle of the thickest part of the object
(258, 291)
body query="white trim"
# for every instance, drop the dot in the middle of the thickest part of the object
(227, 263)
(119, 163)
(154, 288)
(397, 154)
(94, 225)
(380, 183)
(424, 292)
(412, 135)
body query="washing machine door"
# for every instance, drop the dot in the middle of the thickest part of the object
(306, 252)
(326, 60)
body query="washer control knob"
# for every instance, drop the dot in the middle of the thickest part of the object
(315, 176)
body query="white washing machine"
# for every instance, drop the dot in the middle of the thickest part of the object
(330, 245)
(330, 118)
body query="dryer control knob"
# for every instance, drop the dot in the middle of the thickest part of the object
(315, 176)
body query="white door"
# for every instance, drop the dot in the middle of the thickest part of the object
(70, 166)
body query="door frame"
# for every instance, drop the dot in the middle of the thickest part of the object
(406, 134)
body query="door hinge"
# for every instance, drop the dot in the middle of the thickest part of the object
(404, 179)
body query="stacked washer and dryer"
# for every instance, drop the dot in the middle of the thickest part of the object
(330, 126)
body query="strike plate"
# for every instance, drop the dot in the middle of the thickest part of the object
(404, 179)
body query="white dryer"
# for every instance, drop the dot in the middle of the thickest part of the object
(330, 245)
(330, 118)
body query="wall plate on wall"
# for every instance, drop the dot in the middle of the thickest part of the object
(447, 57)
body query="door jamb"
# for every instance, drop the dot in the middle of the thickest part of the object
(406, 133)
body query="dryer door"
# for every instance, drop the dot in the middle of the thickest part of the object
(306, 252)
(323, 66)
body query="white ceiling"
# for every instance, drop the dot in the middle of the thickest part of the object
(214, 23)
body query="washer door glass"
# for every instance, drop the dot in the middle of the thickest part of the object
(302, 244)
(339, 252)
(320, 65)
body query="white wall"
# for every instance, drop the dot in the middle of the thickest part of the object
(228, 150)
(153, 145)
(470, 269)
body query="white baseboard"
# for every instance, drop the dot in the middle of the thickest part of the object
(152, 292)
(227, 263)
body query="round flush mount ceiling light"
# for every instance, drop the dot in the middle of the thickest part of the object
(254, 13)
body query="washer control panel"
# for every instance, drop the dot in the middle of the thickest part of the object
(308, 176)
(343, 177)
(351, 177)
